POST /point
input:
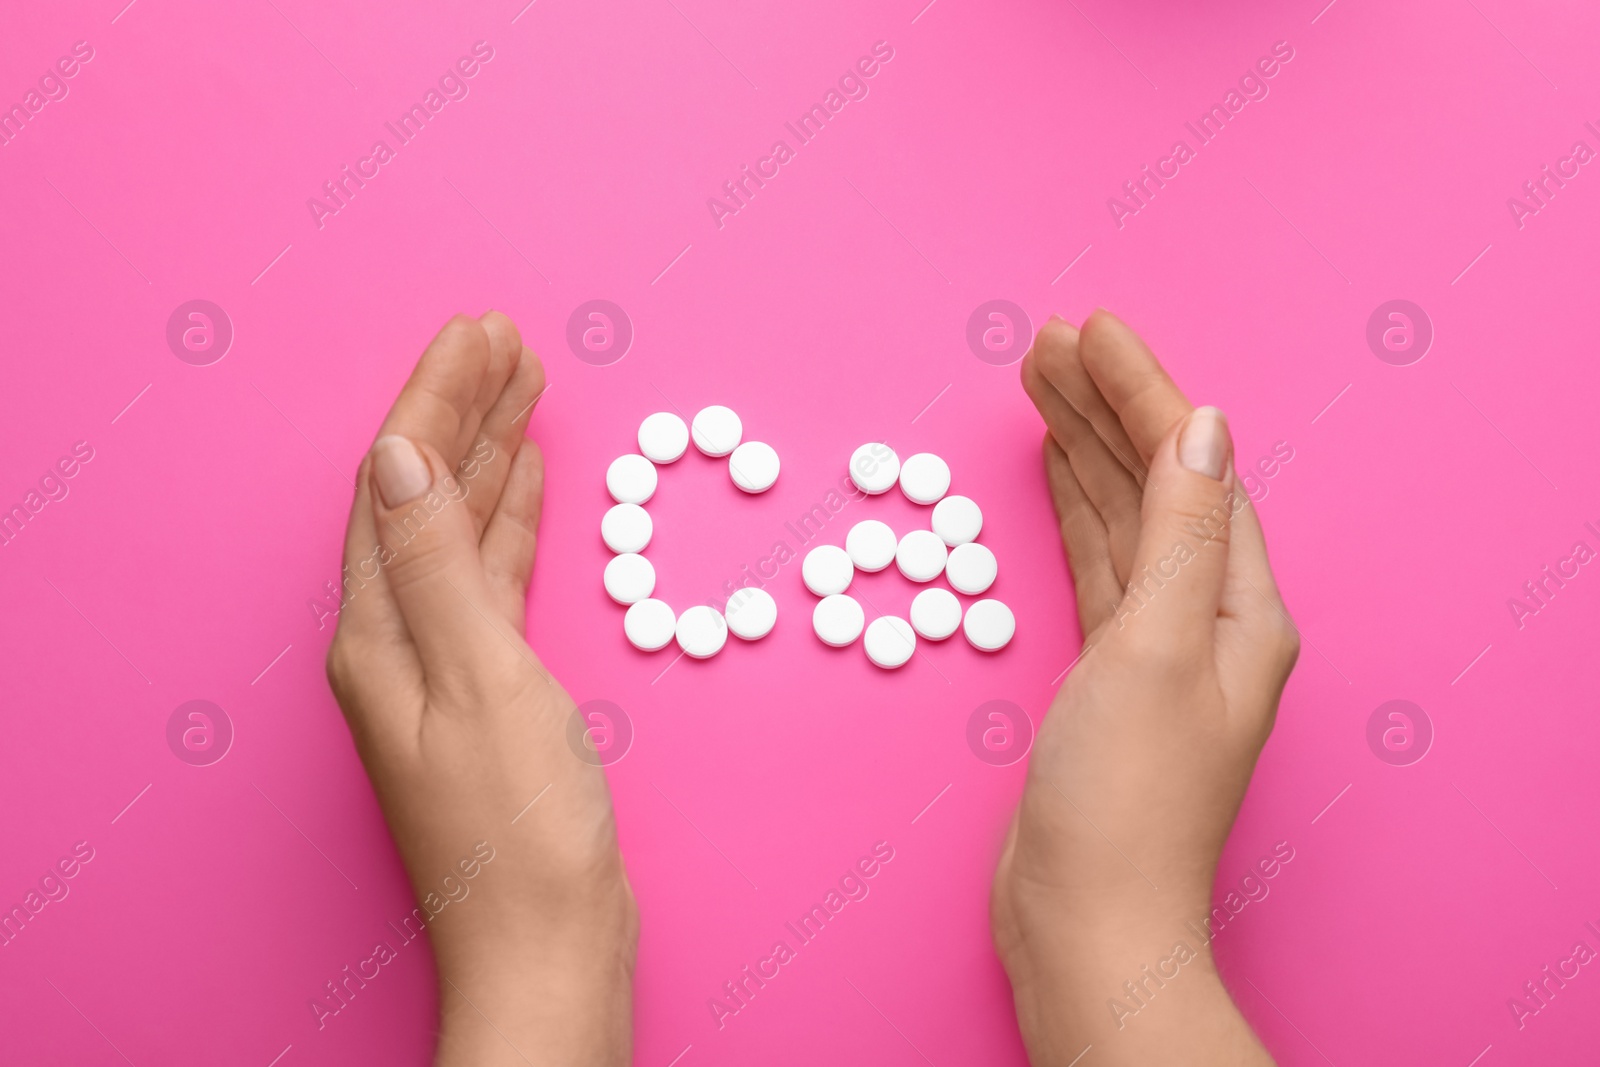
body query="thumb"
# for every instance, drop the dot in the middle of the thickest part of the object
(1176, 583)
(430, 551)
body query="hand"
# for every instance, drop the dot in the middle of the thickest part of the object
(1147, 750)
(460, 726)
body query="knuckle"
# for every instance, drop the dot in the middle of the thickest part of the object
(1098, 322)
(1032, 380)
(535, 369)
(1055, 340)
(1203, 519)
(418, 564)
(1286, 646)
(1153, 652)
(341, 666)
(497, 324)
(467, 332)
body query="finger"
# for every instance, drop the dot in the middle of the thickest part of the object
(455, 381)
(431, 562)
(1257, 641)
(488, 461)
(1174, 592)
(1063, 366)
(1107, 482)
(368, 607)
(512, 535)
(1247, 561)
(371, 646)
(1094, 579)
(1146, 401)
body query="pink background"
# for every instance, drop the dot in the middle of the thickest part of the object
(828, 312)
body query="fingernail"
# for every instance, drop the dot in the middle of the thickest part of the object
(1055, 318)
(1203, 444)
(401, 472)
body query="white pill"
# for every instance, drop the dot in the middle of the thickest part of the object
(972, 569)
(702, 631)
(717, 430)
(663, 437)
(921, 555)
(827, 570)
(837, 620)
(871, 545)
(650, 625)
(630, 578)
(989, 625)
(924, 478)
(935, 613)
(957, 519)
(890, 642)
(626, 528)
(752, 613)
(754, 466)
(874, 468)
(631, 479)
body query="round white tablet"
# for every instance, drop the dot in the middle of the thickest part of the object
(921, 555)
(650, 625)
(924, 478)
(663, 437)
(717, 430)
(989, 625)
(837, 620)
(752, 613)
(871, 545)
(754, 466)
(935, 613)
(827, 570)
(631, 479)
(874, 468)
(702, 632)
(890, 642)
(626, 528)
(972, 569)
(630, 578)
(957, 519)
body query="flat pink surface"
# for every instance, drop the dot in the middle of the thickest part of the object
(831, 309)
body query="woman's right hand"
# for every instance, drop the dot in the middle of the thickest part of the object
(1145, 755)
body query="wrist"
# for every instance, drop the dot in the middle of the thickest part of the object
(555, 990)
(1136, 982)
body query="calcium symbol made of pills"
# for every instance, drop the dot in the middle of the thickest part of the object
(947, 547)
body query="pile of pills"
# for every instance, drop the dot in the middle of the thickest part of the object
(630, 578)
(950, 547)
